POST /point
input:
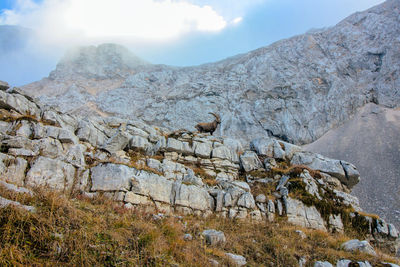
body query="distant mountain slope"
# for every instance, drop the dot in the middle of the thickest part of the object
(296, 89)
(371, 140)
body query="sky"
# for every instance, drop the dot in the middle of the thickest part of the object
(173, 32)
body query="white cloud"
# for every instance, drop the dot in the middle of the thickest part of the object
(139, 19)
(237, 20)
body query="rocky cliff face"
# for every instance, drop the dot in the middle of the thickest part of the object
(296, 89)
(143, 166)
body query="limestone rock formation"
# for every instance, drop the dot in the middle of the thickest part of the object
(295, 89)
(41, 147)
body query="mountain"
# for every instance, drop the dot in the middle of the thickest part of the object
(109, 191)
(295, 89)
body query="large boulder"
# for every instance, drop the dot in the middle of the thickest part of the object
(111, 177)
(263, 146)
(357, 245)
(12, 169)
(249, 161)
(299, 214)
(214, 237)
(333, 167)
(152, 185)
(117, 142)
(192, 196)
(238, 260)
(52, 173)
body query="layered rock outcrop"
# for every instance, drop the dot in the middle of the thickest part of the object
(150, 168)
(295, 89)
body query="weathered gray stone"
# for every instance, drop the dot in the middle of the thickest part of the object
(352, 174)
(202, 149)
(214, 237)
(321, 163)
(299, 214)
(279, 207)
(357, 245)
(249, 161)
(174, 145)
(238, 260)
(269, 163)
(82, 184)
(66, 136)
(261, 198)
(24, 129)
(20, 152)
(263, 146)
(393, 231)
(222, 152)
(49, 147)
(348, 199)
(191, 178)
(5, 203)
(343, 263)
(138, 142)
(310, 183)
(282, 182)
(136, 199)
(134, 131)
(279, 153)
(19, 103)
(4, 86)
(87, 132)
(192, 196)
(112, 177)
(154, 164)
(117, 142)
(323, 264)
(16, 189)
(390, 264)
(228, 201)
(156, 187)
(52, 173)
(75, 155)
(246, 201)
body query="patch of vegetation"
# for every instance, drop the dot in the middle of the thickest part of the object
(98, 232)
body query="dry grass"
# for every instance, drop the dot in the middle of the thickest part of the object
(97, 232)
(365, 214)
(8, 116)
(137, 160)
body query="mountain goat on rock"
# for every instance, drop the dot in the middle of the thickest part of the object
(209, 127)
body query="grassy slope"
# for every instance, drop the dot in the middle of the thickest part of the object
(98, 232)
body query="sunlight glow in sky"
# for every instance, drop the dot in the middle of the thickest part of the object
(143, 19)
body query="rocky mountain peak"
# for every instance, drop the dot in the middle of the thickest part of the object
(295, 89)
(105, 61)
